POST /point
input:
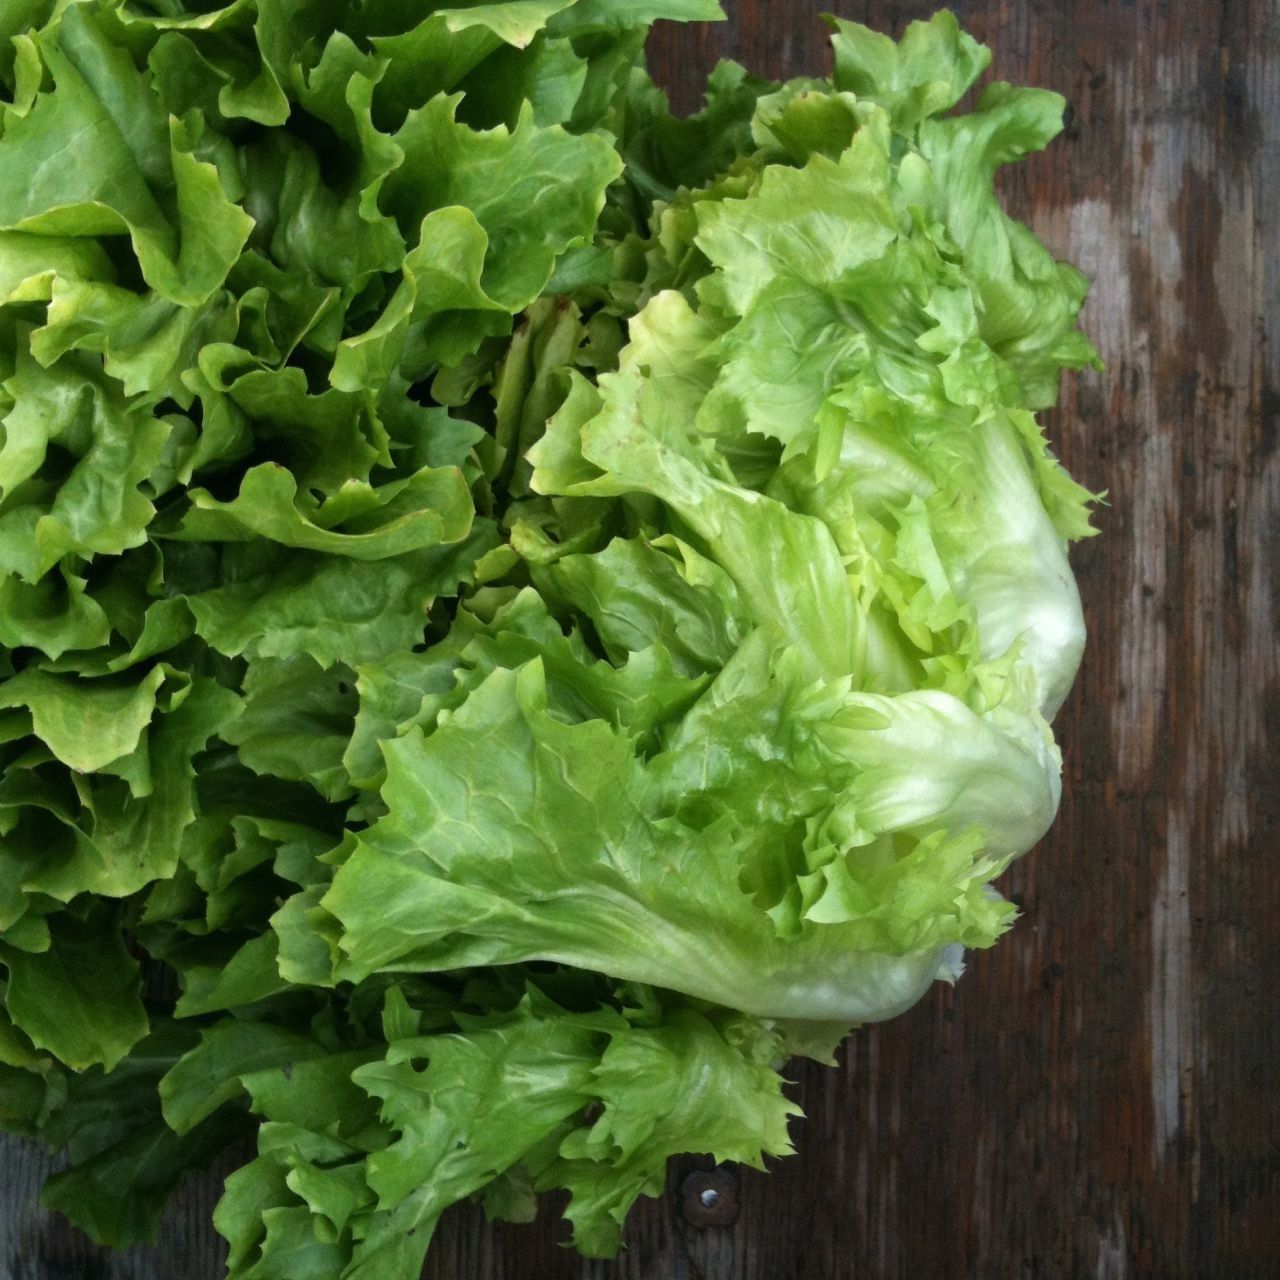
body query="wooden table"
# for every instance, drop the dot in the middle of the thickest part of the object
(1100, 1095)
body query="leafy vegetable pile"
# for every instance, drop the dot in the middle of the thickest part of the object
(519, 612)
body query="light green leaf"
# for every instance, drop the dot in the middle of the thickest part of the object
(442, 279)
(636, 13)
(814, 225)
(679, 1087)
(641, 593)
(114, 148)
(87, 724)
(331, 609)
(589, 868)
(534, 190)
(423, 510)
(924, 74)
(99, 507)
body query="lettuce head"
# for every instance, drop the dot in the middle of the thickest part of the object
(519, 612)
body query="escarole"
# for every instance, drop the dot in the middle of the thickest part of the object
(519, 612)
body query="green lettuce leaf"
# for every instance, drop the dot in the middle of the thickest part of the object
(78, 998)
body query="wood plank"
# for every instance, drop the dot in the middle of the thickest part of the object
(35, 1245)
(1099, 1095)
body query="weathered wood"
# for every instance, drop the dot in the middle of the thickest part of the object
(35, 1245)
(1100, 1094)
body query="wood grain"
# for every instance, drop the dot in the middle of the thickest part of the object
(1099, 1097)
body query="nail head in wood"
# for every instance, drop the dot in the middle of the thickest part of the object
(709, 1198)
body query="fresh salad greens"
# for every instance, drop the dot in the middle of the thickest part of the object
(518, 612)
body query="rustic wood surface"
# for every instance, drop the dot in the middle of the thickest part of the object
(1100, 1095)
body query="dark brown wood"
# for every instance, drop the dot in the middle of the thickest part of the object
(1099, 1097)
